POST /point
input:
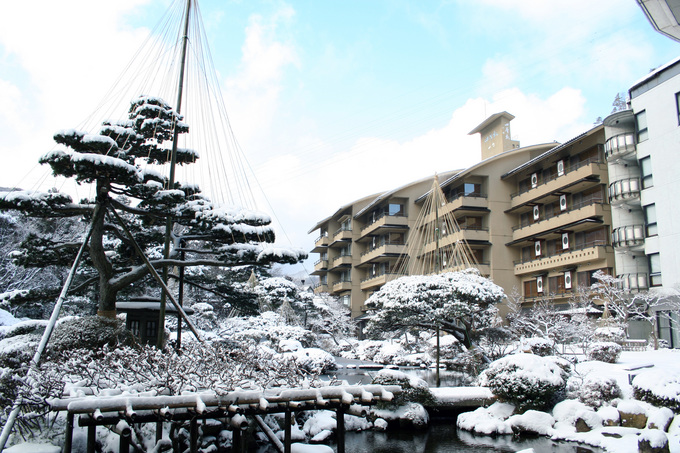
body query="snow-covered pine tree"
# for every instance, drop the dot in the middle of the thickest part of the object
(461, 303)
(119, 160)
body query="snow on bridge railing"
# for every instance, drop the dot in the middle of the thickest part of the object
(84, 401)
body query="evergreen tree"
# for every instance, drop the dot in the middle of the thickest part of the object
(460, 303)
(118, 161)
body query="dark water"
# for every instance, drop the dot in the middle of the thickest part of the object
(444, 437)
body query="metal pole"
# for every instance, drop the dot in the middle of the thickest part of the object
(9, 424)
(171, 179)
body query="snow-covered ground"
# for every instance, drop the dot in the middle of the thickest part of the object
(650, 369)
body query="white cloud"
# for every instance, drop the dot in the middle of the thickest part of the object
(303, 194)
(67, 54)
(253, 94)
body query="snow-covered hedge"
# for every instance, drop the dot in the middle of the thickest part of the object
(604, 351)
(526, 380)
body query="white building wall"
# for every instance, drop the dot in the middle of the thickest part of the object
(663, 147)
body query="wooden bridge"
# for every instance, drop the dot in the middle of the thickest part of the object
(120, 411)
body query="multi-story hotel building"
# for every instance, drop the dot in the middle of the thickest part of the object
(641, 150)
(511, 211)
(541, 219)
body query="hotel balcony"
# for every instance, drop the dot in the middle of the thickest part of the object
(571, 219)
(321, 243)
(384, 251)
(620, 146)
(320, 267)
(575, 179)
(341, 261)
(473, 202)
(385, 223)
(624, 191)
(341, 285)
(471, 235)
(628, 237)
(586, 253)
(320, 288)
(377, 281)
(341, 236)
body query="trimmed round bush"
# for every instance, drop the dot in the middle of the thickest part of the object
(541, 346)
(595, 391)
(604, 351)
(414, 390)
(525, 380)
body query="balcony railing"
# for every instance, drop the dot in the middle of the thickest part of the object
(453, 197)
(382, 274)
(571, 168)
(619, 145)
(379, 217)
(382, 244)
(624, 189)
(628, 236)
(557, 213)
(559, 251)
(342, 229)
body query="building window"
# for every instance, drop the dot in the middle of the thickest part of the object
(641, 123)
(654, 269)
(650, 220)
(150, 329)
(531, 288)
(677, 105)
(134, 327)
(395, 209)
(646, 172)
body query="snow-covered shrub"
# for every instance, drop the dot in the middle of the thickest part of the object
(611, 333)
(470, 362)
(525, 380)
(269, 327)
(89, 332)
(413, 389)
(658, 388)
(204, 316)
(313, 360)
(30, 327)
(596, 391)
(540, 346)
(604, 351)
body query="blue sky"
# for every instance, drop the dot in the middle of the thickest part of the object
(323, 94)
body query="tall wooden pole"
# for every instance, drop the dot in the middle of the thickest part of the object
(437, 259)
(171, 180)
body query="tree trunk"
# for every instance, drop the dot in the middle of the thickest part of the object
(107, 296)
